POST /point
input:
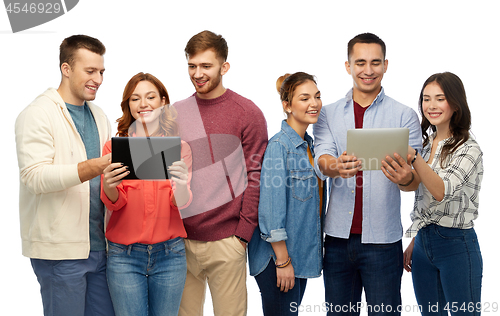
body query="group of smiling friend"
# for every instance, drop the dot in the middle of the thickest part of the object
(102, 245)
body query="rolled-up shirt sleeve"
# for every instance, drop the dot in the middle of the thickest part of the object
(410, 120)
(273, 194)
(324, 143)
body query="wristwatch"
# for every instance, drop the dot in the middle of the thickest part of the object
(415, 157)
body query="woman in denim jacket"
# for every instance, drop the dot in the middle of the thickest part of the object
(286, 248)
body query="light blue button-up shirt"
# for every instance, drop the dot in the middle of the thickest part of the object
(381, 197)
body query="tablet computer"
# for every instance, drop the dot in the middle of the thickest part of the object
(147, 157)
(372, 145)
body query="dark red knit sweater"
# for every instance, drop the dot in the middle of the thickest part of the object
(228, 137)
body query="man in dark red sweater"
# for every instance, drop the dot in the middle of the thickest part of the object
(228, 136)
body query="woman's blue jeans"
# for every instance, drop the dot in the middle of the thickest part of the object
(274, 301)
(147, 279)
(447, 270)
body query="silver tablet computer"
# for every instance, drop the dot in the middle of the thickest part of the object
(372, 145)
(147, 157)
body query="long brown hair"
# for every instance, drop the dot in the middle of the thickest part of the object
(168, 125)
(460, 121)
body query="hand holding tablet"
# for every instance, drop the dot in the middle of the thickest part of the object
(147, 158)
(371, 146)
(348, 165)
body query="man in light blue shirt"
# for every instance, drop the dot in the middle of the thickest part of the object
(363, 248)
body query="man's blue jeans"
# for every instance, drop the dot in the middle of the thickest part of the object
(74, 287)
(275, 302)
(147, 279)
(447, 270)
(349, 266)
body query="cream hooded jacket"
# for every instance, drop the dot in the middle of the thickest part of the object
(53, 203)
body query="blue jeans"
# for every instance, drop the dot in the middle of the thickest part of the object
(147, 279)
(274, 301)
(349, 266)
(447, 270)
(74, 287)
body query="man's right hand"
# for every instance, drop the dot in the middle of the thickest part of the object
(102, 162)
(344, 166)
(348, 166)
(92, 168)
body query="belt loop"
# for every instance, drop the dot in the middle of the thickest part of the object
(165, 244)
(129, 249)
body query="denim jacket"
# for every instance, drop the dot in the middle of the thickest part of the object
(289, 206)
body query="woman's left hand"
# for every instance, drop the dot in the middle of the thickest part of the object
(407, 255)
(180, 176)
(285, 278)
(179, 171)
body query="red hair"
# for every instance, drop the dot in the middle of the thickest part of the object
(168, 125)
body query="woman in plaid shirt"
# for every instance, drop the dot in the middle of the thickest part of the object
(444, 255)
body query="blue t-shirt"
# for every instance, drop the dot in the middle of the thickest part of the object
(87, 128)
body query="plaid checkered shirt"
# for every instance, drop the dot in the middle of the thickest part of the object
(462, 175)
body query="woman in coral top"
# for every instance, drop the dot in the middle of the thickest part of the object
(146, 267)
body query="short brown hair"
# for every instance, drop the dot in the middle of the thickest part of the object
(71, 44)
(207, 40)
(168, 125)
(365, 38)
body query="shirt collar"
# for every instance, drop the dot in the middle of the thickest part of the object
(379, 98)
(433, 136)
(294, 137)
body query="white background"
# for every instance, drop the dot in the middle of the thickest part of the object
(266, 39)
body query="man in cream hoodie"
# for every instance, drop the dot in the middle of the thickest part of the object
(59, 138)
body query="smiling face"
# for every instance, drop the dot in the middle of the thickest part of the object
(436, 108)
(146, 105)
(304, 108)
(206, 71)
(367, 66)
(84, 77)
